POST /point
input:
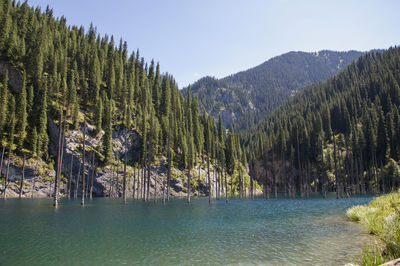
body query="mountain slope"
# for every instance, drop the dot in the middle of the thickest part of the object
(246, 96)
(342, 135)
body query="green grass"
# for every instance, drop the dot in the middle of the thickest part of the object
(381, 218)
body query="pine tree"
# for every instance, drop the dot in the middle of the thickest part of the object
(4, 102)
(98, 114)
(10, 142)
(165, 97)
(43, 139)
(22, 114)
(107, 137)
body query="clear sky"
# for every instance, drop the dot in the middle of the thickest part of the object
(192, 39)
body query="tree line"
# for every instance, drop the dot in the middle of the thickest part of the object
(342, 135)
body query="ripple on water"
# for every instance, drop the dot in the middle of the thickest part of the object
(106, 232)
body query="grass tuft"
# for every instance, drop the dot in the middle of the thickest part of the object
(382, 218)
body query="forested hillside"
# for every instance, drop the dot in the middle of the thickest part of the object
(245, 97)
(89, 86)
(342, 135)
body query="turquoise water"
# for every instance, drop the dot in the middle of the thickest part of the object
(107, 232)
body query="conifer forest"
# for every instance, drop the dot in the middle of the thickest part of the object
(106, 158)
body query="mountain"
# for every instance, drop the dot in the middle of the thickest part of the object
(71, 94)
(245, 97)
(342, 135)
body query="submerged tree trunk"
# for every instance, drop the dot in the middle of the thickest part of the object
(21, 186)
(169, 156)
(117, 186)
(149, 167)
(133, 183)
(34, 177)
(58, 169)
(77, 180)
(126, 159)
(7, 172)
(209, 180)
(83, 164)
(92, 179)
(226, 186)
(336, 169)
(188, 192)
(70, 176)
(1, 163)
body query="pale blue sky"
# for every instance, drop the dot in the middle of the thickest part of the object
(192, 39)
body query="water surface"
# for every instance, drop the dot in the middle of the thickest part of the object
(106, 232)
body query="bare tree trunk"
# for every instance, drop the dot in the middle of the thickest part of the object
(226, 186)
(275, 176)
(149, 167)
(1, 163)
(299, 164)
(133, 183)
(336, 169)
(215, 181)
(117, 179)
(199, 181)
(139, 186)
(21, 187)
(70, 176)
(58, 169)
(357, 175)
(362, 174)
(169, 158)
(163, 189)
(126, 159)
(155, 188)
(83, 164)
(34, 177)
(382, 178)
(7, 172)
(77, 180)
(143, 190)
(92, 179)
(188, 192)
(209, 179)
(251, 184)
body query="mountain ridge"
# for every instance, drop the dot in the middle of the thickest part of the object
(246, 96)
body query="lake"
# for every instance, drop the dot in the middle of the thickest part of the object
(107, 232)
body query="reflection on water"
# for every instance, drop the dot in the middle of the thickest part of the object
(275, 232)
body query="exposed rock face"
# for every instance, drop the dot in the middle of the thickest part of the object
(39, 180)
(14, 76)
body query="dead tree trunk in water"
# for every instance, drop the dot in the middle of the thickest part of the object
(275, 176)
(209, 179)
(226, 186)
(336, 169)
(1, 163)
(34, 177)
(70, 177)
(21, 186)
(93, 175)
(126, 159)
(169, 158)
(58, 169)
(7, 172)
(149, 166)
(77, 180)
(83, 164)
(134, 181)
